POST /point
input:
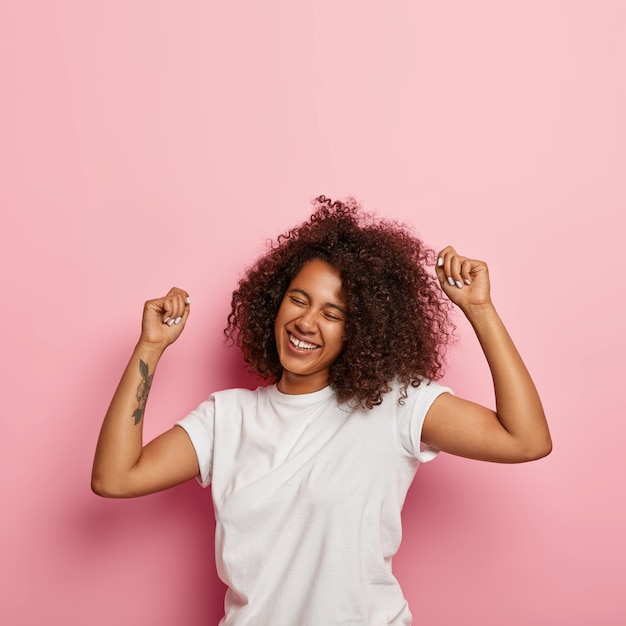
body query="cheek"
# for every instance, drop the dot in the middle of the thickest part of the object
(338, 338)
(280, 315)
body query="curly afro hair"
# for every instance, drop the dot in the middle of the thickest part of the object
(398, 324)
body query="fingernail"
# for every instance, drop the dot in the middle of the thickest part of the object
(177, 320)
(188, 300)
(439, 262)
(171, 323)
(467, 281)
(459, 284)
(166, 320)
(451, 281)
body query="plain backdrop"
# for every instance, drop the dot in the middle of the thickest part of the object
(151, 144)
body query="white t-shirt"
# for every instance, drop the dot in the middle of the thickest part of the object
(307, 496)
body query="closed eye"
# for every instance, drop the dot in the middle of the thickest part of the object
(332, 317)
(297, 301)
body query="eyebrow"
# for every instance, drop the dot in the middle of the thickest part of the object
(327, 304)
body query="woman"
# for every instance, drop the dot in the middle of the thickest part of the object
(309, 474)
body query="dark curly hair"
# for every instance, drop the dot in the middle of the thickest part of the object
(398, 324)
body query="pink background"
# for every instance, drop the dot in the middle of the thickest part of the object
(147, 144)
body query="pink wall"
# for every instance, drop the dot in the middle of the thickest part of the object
(146, 144)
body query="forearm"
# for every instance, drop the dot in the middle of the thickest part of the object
(518, 406)
(120, 443)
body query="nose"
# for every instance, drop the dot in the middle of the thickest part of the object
(307, 321)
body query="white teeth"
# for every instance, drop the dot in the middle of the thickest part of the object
(303, 345)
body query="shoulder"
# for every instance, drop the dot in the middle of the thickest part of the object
(238, 394)
(224, 399)
(409, 413)
(422, 393)
(239, 400)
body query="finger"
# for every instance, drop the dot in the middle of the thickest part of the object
(455, 278)
(445, 252)
(466, 271)
(175, 291)
(169, 314)
(449, 265)
(443, 264)
(176, 304)
(175, 309)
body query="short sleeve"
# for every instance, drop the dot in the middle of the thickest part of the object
(410, 418)
(199, 425)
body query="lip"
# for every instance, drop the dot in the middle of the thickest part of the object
(300, 351)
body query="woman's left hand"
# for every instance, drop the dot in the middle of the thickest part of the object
(518, 430)
(465, 281)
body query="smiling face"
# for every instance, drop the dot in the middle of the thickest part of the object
(309, 328)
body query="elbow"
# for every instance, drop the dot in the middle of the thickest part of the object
(538, 450)
(540, 453)
(100, 488)
(544, 446)
(547, 448)
(106, 488)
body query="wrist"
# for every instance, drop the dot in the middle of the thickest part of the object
(482, 313)
(149, 351)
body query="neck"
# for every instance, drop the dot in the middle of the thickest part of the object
(294, 384)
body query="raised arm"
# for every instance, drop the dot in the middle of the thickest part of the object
(517, 430)
(123, 467)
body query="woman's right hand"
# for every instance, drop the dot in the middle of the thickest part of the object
(123, 467)
(164, 318)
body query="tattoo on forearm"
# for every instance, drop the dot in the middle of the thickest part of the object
(142, 391)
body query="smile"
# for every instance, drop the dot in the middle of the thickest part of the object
(301, 344)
